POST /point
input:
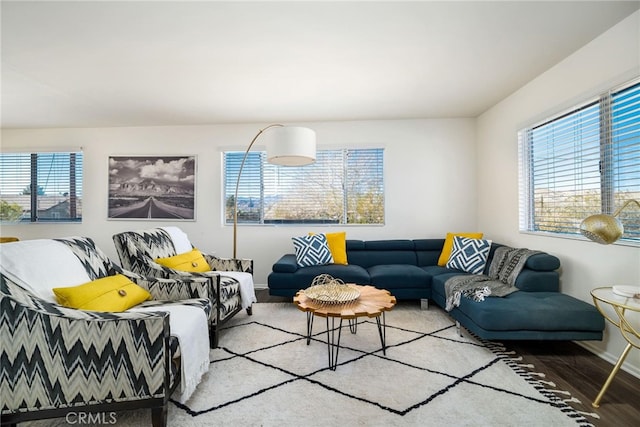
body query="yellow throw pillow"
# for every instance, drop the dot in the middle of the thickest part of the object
(112, 293)
(192, 261)
(448, 245)
(337, 243)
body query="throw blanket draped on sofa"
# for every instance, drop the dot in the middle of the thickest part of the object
(504, 269)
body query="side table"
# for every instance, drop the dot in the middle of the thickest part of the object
(603, 297)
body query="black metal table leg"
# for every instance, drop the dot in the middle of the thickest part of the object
(310, 317)
(382, 331)
(333, 346)
(353, 325)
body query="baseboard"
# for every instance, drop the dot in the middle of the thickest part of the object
(611, 358)
(260, 286)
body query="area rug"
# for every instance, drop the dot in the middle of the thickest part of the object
(265, 374)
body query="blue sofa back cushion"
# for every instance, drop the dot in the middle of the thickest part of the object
(423, 253)
(381, 252)
(390, 276)
(428, 251)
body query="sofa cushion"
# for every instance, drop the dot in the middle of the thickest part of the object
(469, 255)
(302, 277)
(538, 281)
(428, 251)
(391, 276)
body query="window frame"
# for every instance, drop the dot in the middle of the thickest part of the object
(612, 151)
(72, 181)
(266, 175)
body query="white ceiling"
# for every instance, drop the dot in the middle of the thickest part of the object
(94, 64)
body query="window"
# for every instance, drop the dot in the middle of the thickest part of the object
(41, 187)
(341, 187)
(583, 162)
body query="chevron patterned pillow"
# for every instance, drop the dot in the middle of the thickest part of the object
(312, 250)
(469, 255)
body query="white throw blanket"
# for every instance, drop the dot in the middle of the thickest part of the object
(40, 265)
(247, 291)
(179, 238)
(189, 325)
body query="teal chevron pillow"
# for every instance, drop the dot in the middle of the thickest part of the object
(469, 255)
(312, 250)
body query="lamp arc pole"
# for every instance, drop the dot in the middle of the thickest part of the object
(235, 196)
(290, 146)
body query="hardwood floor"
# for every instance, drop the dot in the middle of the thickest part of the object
(575, 370)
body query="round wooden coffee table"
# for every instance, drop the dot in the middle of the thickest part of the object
(372, 303)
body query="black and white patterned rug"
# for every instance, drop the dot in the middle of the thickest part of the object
(264, 374)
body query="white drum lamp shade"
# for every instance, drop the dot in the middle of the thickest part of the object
(290, 146)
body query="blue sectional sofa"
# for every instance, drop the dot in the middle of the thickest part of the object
(409, 270)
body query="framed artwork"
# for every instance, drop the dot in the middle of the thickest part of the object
(152, 187)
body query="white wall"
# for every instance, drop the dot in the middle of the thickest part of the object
(429, 175)
(611, 59)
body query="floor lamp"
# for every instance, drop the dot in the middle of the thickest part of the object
(286, 146)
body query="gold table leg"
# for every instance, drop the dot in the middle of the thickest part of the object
(596, 403)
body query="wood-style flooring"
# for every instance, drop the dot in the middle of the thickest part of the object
(573, 369)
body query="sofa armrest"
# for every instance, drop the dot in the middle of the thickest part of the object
(50, 349)
(175, 289)
(286, 264)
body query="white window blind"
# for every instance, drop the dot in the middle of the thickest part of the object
(582, 162)
(342, 187)
(38, 187)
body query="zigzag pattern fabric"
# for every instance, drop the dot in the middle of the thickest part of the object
(56, 357)
(312, 250)
(138, 250)
(469, 255)
(94, 261)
